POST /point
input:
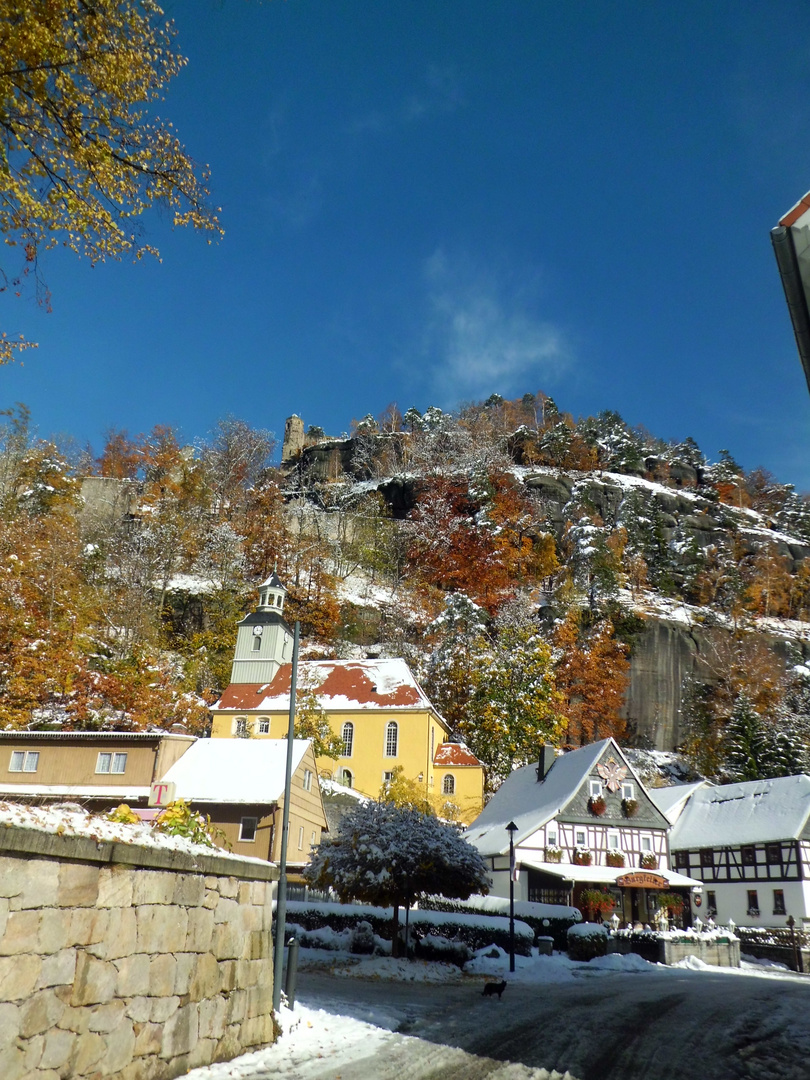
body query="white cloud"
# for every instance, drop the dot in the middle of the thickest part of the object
(483, 336)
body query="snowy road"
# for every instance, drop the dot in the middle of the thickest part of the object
(623, 1026)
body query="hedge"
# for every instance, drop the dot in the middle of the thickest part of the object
(475, 930)
(546, 920)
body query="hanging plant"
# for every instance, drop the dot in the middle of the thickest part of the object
(672, 902)
(597, 805)
(629, 807)
(596, 903)
(615, 858)
(649, 861)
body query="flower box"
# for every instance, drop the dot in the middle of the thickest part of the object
(597, 805)
(582, 857)
(649, 861)
(614, 858)
(553, 854)
(629, 807)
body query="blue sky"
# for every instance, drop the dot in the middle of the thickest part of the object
(427, 202)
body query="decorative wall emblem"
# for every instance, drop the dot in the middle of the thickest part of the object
(613, 773)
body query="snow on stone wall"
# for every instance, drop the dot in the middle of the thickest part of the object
(129, 963)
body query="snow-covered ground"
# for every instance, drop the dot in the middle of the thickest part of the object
(320, 1043)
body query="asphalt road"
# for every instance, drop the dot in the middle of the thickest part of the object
(626, 1026)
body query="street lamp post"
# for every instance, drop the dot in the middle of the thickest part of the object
(511, 828)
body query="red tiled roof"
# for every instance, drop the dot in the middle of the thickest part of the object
(363, 684)
(454, 754)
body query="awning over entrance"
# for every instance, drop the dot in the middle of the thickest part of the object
(622, 876)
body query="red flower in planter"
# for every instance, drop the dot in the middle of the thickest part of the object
(597, 805)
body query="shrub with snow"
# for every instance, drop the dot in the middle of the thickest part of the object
(587, 940)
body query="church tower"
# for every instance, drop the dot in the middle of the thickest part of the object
(264, 641)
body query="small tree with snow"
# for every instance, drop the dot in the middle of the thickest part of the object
(385, 854)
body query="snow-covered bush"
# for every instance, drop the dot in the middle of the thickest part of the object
(362, 941)
(435, 947)
(587, 940)
(546, 920)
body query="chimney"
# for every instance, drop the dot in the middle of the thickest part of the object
(548, 755)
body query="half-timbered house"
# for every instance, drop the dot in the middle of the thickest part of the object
(582, 820)
(749, 844)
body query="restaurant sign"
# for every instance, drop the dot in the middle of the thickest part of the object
(641, 880)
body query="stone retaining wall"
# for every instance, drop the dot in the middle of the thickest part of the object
(127, 963)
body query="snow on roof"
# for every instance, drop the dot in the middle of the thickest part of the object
(754, 812)
(454, 754)
(338, 684)
(74, 791)
(671, 800)
(605, 875)
(16, 734)
(234, 770)
(530, 803)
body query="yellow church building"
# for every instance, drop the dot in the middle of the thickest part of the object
(376, 707)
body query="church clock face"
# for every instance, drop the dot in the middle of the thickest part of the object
(257, 631)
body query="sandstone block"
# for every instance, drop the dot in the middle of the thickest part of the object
(161, 929)
(163, 1008)
(4, 909)
(237, 1007)
(229, 1045)
(29, 883)
(205, 980)
(261, 945)
(148, 1039)
(120, 1048)
(88, 1050)
(186, 966)
(243, 893)
(9, 1024)
(260, 893)
(88, 926)
(259, 1001)
(95, 981)
(226, 911)
(33, 1053)
(18, 976)
(211, 898)
(58, 1049)
(139, 1009)
(153, 887)
(213, 1013)
(202, 1053)
(147, 1068)
(106, 1017)
(58, 969)
(162, 972)
(133, 975)
(227, 975)
(200, 930)
(189, 890)
(40, 1013)
(228, 942)
(55, 930)
(115, 885)
(78, 885)
(228, 887)
(22, 929)
(121, 938)
(72, 1019)
(180, 1032)
(257, 1031)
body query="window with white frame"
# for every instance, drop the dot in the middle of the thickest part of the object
(240, 727)
(346, 778)
(580, 837)
(388, 778)
(628, 791)
(348, 739)
(646, 843)
(391, 738)
(264, 727)
(551, 837)
(613, 840)
(111, 763)
(300, 837)
(595, 789)
(449, 785)
(307, 780)
(257, 644)
(247, 829)
(24, 761)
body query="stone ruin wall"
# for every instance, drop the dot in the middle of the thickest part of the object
(123, 963)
